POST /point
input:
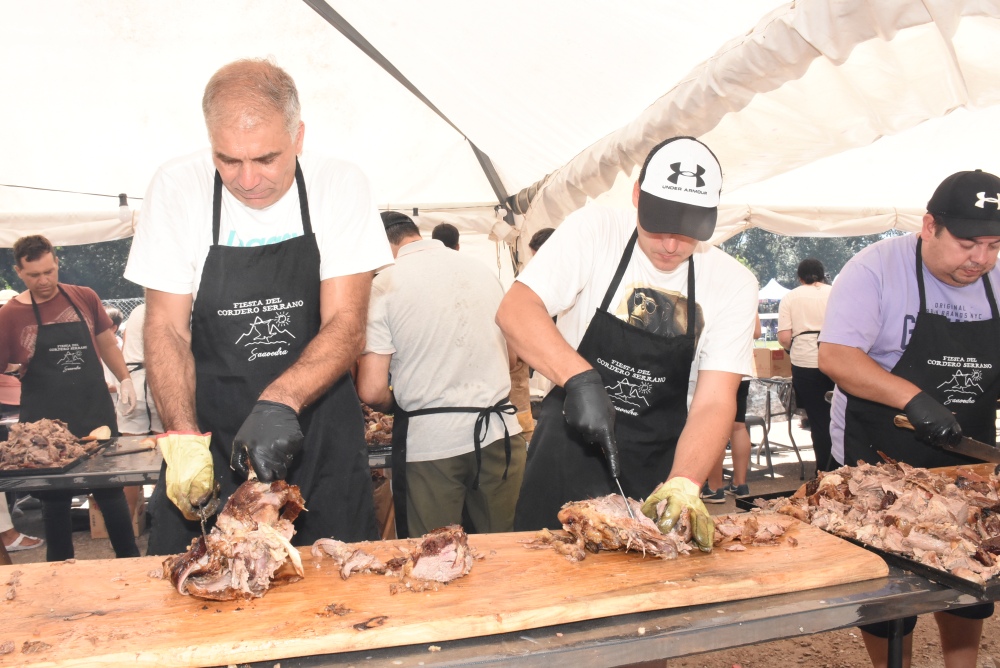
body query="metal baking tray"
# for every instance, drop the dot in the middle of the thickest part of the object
(986, 592)
(55, 470)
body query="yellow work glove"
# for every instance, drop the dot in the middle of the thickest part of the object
(190, 475)
(665, 504)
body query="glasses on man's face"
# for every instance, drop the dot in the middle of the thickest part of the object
(645, 302)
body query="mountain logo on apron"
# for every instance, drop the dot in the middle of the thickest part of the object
(962, 382)
(72, 357)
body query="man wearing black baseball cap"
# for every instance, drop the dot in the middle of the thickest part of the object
(912, 326)
(653, 336)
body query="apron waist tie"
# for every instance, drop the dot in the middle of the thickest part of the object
(481, 428)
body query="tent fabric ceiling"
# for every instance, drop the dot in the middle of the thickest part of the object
(565, 97)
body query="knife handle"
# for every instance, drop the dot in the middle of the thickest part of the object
(903, 422)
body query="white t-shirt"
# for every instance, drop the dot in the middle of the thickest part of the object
(174, 231)
(434, 311)
(803, 310)
(574, 268)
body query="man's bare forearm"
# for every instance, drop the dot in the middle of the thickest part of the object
(708, 426)
(858, 374)
(169, 368)
(533, 336)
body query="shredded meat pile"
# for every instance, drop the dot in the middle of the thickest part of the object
(247, 550)
(42, 444)
(378, 427)
(604, 524)
(442, 556)
(945, 523)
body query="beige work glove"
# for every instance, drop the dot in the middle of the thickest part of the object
(126, 397)
(665, 504)
(190, 475)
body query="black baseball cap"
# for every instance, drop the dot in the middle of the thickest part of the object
(968, 204)
(679, 189)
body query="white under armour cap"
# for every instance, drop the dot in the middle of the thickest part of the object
(679, 189)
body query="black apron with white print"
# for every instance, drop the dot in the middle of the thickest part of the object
(64, 379)
(257, 309)
(646, 376)
(957, 363)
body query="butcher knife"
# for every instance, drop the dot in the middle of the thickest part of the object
(967, 446)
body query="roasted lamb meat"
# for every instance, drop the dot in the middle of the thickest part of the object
(378, 427)
(605, 524)
(41, 444)
(442, 556)
(247, 550)
(943, 522)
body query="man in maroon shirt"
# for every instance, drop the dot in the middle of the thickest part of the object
(55, 335)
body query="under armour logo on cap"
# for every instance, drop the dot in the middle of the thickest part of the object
(959, 203)
(696, 175)
(983, 199)
(679, 188)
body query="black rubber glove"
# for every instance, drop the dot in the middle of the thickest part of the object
(270, 438)
(933, 423)
(589, 410)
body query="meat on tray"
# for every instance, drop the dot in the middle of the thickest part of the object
(378, 427)
(440, 557)
(604, 524)
(39, 445)
(247, 551)
(944, 522)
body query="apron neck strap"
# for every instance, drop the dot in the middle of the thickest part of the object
(217, 204)
(38, 314)
(920, 284)
(620, 272)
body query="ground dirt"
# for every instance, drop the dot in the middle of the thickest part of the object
(836, 649)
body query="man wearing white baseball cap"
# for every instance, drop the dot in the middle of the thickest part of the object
(653, 337)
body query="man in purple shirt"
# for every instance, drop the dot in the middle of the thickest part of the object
(912, 326)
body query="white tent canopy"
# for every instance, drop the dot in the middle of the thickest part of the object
(829, 117)
(773, 290)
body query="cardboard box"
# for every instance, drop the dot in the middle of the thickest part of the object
(137, 508)
(771, 362)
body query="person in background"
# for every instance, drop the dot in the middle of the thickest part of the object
(800, 318)
(10, 399)
(116, 324)
(539, 238)
(912, 326)
(446, 234)
(257, 259)
(455, 441)
(654, 334)
(145, 419)
(739, 448)
(56, 335)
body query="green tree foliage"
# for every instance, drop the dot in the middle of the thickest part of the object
(770, 255)
(98, 266)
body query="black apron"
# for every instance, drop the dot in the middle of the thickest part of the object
(646, 376)
(65, 379)
(957, 363)
(400, 427)
(257, 309)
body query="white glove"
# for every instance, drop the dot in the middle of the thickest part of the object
(126, 396)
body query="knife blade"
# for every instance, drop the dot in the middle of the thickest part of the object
(969, 447)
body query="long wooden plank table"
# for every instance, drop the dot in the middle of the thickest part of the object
(114, 612)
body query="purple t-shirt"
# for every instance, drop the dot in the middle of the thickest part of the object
(874, 305)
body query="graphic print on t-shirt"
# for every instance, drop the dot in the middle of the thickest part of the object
(662, 312)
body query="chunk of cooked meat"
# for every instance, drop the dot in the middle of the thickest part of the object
(605, 524)
(247, 550)
(42, 444)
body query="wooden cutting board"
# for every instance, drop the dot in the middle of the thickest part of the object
(112, 612)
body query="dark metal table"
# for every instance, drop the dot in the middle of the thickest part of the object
(667, 634)
(97, 471)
